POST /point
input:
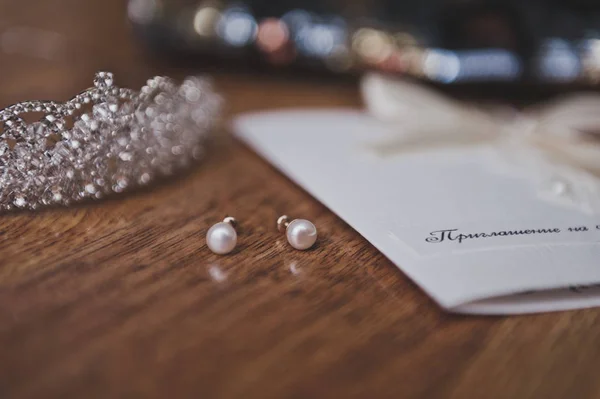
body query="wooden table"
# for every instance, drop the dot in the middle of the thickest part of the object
(122, 299)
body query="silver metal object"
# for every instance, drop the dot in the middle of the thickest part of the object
(123, 139)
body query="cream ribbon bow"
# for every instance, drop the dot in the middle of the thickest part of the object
(553, 145)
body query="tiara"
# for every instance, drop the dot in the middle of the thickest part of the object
(104, 140)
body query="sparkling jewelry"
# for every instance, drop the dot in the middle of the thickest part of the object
(300, 233)
(104, 140)
(221, 238)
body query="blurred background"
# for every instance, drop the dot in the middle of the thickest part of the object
(443, 41)
(541, 42)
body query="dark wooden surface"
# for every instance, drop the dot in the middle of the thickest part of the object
(122, 299)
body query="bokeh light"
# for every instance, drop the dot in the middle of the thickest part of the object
(273, 35)
(237, 27)
(205, 20)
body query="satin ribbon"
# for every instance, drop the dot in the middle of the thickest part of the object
(556, 145)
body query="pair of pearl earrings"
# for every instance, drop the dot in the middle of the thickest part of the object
(221, 238)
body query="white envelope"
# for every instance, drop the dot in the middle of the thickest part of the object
(474, 239)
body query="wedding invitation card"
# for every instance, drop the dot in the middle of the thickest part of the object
(476, 239)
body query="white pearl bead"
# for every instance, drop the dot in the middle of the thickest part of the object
(221, 238)
(301, 234)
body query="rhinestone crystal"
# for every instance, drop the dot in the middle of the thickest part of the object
(103, 80)
(128, 138)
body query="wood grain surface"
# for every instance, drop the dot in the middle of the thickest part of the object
(122, 298)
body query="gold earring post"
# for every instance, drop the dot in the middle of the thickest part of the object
(282, 223)
(231, 220)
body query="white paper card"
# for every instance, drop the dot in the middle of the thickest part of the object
(477, 241)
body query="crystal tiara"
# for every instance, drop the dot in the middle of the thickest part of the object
(104, 140)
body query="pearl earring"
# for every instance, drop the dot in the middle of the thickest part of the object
(300, 233)
(222, 237)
